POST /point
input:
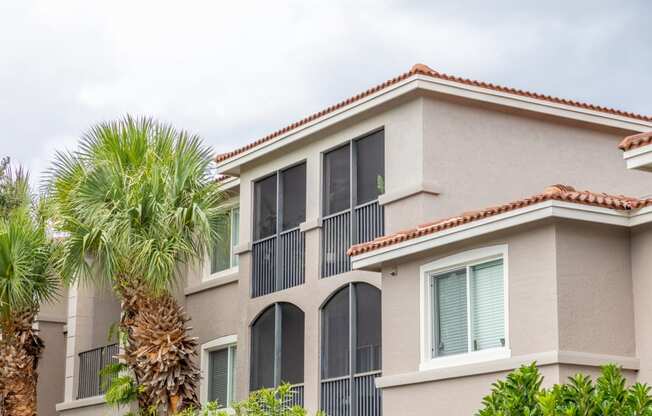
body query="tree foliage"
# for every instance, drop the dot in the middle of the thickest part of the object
(520, 394)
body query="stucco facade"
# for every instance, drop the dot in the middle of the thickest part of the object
(576, 290)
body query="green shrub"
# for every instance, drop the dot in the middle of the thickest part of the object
(520, 394)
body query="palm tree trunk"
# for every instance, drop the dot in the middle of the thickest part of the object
(20, 350)
(159, 350)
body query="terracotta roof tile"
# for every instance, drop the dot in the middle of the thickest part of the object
(421, 69)
(637, 140)
(554, 192)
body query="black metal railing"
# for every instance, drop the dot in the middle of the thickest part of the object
(90, 364)
(278, 262)
(338, 399)
(343, 229)
(297, 395)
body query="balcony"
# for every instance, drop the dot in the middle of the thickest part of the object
(91, 362)
(337, 399)
(278, 262)
(343, 229)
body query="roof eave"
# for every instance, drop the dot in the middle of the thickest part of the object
(424, 83)
(373, 260)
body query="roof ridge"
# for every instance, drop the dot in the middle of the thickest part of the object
(422, 69)
(557, 192)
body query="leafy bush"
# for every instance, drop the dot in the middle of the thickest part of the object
(520, 394)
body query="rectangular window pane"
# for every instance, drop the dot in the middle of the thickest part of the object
(218, 376)
(451, 313)
(337, 184)
(370, 172)
(294, 196)
(368, 328)
(232, 358)
(487, 305)
(235, 234)
(221, 259)
(265, 207)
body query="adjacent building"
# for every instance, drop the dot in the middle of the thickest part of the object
(354, 270)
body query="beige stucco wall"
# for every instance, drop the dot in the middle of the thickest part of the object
(476, 155)
(51, 371)
(641, 263)
(595, 294)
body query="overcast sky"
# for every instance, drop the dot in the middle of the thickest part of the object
(233, 71)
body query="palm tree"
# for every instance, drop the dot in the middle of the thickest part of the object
(26, 281)
(138, 204)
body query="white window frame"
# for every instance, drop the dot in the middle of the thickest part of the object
(233, 268)
(453, 262)
(216, 345)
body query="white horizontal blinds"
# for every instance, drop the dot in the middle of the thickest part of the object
(451, 313)
(219, 376)
(487, 305)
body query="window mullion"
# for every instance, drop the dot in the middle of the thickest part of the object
(469, 309)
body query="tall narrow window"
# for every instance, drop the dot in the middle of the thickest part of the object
(277, 347)
(353, 179)
(221, 376)
(468, 309)
(351, 339)
(278, 247)
(223, 257)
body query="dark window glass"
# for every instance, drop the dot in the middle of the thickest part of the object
(335, 336)
(262, 354)
(337, 186)
(292, 342)
(370, 158)
(218, 376)
(265, 207)
(368, 326)
(294, 196)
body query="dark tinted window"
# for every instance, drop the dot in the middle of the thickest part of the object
(294, 196)
(370, 172)
(265, 207)
(262, 350)
(292, 342)
(368, 325)
(337, 186)
(335, 336)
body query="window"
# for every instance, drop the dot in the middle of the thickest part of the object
(223, 257)
(353, 179)
(351, 321)
(280, 202)
(368, 158)
(277, 347)
(218, 360)
(278, 255)
(466, 316)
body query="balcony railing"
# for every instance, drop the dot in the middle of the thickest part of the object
(278, 262)
(337, 399)
(297, 395)
(343, 229)
(90, 364)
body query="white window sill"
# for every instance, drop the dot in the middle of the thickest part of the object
(222, 273)
(222, 278)
(78, 403)
(475, 357)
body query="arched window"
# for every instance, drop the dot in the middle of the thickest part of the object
(351, 339)
(277, 344)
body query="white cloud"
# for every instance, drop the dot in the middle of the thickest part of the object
(233, 71)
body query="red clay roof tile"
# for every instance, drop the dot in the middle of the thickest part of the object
(636, 140)
(421, 69)
(554, 192)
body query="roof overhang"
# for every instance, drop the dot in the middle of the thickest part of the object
(373, 260)
(639, 158)
(424, 84)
